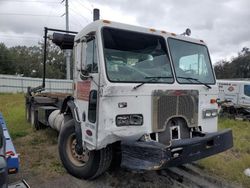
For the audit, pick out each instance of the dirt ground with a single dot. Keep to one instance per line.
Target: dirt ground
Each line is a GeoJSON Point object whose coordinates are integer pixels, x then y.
{"type": "Point", "coordinates": [40, 166]}
{"type": "Point", "coordinates": [117, 179]}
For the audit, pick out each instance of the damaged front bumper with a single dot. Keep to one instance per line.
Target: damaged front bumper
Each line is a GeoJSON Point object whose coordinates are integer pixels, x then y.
{"type": "Point", "coordinates": [153, 155]}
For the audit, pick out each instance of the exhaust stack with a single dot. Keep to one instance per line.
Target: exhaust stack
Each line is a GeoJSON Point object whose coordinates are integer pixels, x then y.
{"type": "Point", "coordinates": [96, 14]}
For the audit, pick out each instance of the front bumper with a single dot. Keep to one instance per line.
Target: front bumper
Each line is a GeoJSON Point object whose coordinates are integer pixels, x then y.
{"type": "Point", "coordinates": [153, 155]}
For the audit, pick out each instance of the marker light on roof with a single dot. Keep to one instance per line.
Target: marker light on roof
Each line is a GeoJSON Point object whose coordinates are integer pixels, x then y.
{"type": "Point", "coordinates": [106, 21]}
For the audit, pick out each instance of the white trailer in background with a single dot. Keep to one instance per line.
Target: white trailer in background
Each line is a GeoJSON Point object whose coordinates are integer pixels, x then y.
{"type": "Point", "coordinates": [235, 96]}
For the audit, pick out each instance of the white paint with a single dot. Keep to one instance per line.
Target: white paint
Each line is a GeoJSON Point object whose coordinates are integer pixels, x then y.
{"type": "Point", "coordinates": [139, 101]}
{"type": "Point", "coordinates": [234, 91]}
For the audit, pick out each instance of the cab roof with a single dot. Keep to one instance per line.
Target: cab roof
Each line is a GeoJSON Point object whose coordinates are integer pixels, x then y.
{"type": "Point", "coordinates": [97, 25]}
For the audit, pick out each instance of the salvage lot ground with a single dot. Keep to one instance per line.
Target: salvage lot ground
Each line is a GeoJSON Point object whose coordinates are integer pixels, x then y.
{"type": "Point", "coordinates": [41, 167]}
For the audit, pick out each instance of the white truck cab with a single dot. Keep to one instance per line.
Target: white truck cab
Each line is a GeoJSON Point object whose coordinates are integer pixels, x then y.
{"type": "Point", "coordinates": [139, 79]}
{"type": "Point", "coordinates": [144, 95]}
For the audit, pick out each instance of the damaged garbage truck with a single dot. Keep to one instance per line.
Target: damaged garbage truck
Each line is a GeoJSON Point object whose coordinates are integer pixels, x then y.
{"type": "Point", "coordinates": [144, 95]}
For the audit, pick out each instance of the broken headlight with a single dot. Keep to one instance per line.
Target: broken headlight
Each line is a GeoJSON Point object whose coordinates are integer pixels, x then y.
{"type": "Point", "coordinates": [129, 119]}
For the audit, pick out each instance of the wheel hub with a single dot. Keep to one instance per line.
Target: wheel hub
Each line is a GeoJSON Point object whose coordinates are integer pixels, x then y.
{"type": "Point", "coordinates": [78, 158]}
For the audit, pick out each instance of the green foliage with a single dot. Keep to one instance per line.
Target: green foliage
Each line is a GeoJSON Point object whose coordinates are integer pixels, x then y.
{"type": "Point", "coordinates": [28, 61]}
{"type": "Point", "coordinates": [6, 61]}
{"type": "Point", "coordinates": [238, 67]}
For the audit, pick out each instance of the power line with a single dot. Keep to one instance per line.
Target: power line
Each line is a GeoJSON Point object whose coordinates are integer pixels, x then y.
{"type": "Point", "coordinates": [92, 6]}
{"type": "Point", "coordinates": [54, 2]}
{"type": "Point", "coordinates": [21, 14]}
{"type": "Point", "coordinates": [19, 36]}
{"type": "Point", "coordinates": [86, 19]}
{"type": "Point", "coordinates": [77, 21]}
{"type": "Point", "coordinates": [84, 6]}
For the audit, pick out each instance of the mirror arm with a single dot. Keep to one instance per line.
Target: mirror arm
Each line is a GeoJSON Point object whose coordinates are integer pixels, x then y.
{"type": "Point", "coordinates": [85, 76]}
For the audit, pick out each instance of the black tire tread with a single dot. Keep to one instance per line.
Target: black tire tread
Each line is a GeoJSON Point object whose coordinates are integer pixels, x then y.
{"type": "Point", "coordinates": [105, 161]}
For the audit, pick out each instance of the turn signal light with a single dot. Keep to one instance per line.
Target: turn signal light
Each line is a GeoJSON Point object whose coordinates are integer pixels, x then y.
{"type": "Point", "coordinates": [12, 170]}
{"type": "Point", "coordinates": [213, 101]}
{"type": "Point", "coordinates": [106, 21]}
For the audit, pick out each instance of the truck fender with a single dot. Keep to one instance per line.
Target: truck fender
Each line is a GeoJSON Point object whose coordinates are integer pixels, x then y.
{"type": "Point", "coordinates": [70, 106]}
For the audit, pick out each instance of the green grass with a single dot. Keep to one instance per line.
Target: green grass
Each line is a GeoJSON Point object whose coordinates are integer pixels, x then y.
{"type": "Point", "coordinates": [12, 108]}
{"type": "Point", "coordinates": [231, 164]}
{"type": "Point", "coordinates": [38, 149]}
{"type": "Point", "coordinates": [39, 154]}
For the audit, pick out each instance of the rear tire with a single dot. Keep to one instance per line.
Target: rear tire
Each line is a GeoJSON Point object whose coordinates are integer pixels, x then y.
{"type": "Point", "coordinates": [90, 164]}
{"type": "Point", "coordinates": [27, 112]}
{"type": "Point", "coordinates": [34, 118]}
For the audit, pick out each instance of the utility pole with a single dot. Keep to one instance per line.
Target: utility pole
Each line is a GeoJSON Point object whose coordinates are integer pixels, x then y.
{"type": "Point", "coordinates": [67, 52]}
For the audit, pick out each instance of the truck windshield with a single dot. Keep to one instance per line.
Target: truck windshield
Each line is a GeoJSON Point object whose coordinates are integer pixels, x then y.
{"type": "Point", "coordinates": [135, 57]}
{"type": "Point", "coordinates": [191, 61]}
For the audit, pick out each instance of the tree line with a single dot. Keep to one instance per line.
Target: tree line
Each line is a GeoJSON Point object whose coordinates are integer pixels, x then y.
{"type": "Point", "coordinates": [237, 67]}
{"type": "Point", "coordinates": [28, 61]}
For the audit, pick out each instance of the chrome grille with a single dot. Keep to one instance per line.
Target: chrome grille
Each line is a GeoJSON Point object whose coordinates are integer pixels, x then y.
{"type": "Point", "coordinates": [167, 104]}
{"type": "Point", "coordinates": [164, 104]}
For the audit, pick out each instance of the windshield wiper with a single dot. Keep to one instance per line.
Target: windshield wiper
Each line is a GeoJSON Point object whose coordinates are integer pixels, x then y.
{"type": "Point", "coordinates": [151, 78]}
{"type": "Point", "coordinates": [195, 79]}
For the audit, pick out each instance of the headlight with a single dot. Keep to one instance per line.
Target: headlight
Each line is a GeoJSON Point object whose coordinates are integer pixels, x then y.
{"type": "Point", "coordinates": [129, 119]}
{"type": "Point", "coordinates": [209, 113]}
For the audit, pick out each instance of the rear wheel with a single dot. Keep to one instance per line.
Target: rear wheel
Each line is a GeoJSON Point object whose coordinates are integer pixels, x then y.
{"type": "Point", "coordinates": [89, 164]}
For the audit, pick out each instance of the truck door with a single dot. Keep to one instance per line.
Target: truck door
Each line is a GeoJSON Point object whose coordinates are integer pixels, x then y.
{"type": "Point", "coordinates": [86, 92]}
{"type": "Point", "coordinates": [246, 97]}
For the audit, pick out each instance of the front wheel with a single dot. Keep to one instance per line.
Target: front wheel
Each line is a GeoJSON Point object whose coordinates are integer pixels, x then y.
{"type": "Point", "coordinates": [88, 165]}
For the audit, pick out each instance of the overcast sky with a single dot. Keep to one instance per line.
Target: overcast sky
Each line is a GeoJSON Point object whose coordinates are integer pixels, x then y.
{"type": "Point", "coordinates": [223, 24]}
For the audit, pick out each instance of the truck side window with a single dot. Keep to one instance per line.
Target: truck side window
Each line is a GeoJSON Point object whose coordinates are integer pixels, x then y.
{"type": "Point", "coordinates": [247, 90]}
{"type": "Point", "coordinates": [91, 59]}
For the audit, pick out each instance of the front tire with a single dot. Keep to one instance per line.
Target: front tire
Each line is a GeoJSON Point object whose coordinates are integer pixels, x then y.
{"type": "Point", "coordinates": [90, 164]}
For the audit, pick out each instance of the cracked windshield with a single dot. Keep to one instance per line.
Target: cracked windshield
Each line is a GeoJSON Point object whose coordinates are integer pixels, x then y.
{"type": "Point", "coordinates": [136, 57]}
{"type": "Point", "coordinates": [191, 62]}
